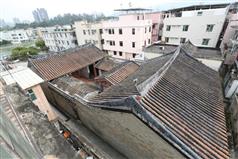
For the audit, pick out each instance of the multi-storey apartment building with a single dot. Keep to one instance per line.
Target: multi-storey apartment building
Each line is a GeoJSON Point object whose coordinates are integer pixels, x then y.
{"type": "Point", "coordinates": [59, 38]}
{"type": "Point", "coordinates": [89, 33]}
{"type": "Point", "coordinates": [202, 25]}
{"type": "Point", "coordinates": [18, 36]}
{"type": "Point", "coordinates": [125, 38]}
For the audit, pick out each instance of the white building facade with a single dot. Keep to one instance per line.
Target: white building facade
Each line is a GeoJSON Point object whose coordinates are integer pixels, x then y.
{"type": "Point", "coordinates": [202, 27]}
{"type": "Point", "coordinates": [89, 33]}
{"type": "Point", "coordinates": [15, 36]}
{"type": "Point", "coordinates": [59, 38]}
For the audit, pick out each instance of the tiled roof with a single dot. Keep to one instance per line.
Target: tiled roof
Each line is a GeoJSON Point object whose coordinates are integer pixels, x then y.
{"type": "Point", "coordinates": [52, 66]}
{"type": "Point", "coordinates": [186, 99]}
{"type": "Point", "coordinates": [106, 64]}
{"type": "Point", "coordinates": [121, 72]}
{"type": "Point", "coordinates": [127, 86]}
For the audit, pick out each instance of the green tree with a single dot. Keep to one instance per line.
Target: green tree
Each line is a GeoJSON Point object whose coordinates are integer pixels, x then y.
{"type": "Point", "coordinates": [4, 42]}
{"type": "Point", "coordinates": [41, 44]}
{"type": "Point", "coordinates": [22, 53]}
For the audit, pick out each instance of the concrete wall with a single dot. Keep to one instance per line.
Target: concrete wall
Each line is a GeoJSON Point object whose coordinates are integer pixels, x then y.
{"type": "Point", "coordinates": [197, 27]}
{"type": "Point", "coordinates": [63, 104]}
{"type": "Point", "coordinates": [234, 119]}
{"type": "Point", "coordinates": [124, 132]}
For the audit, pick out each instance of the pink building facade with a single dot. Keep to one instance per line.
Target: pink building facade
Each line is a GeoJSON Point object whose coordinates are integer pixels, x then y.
{"type": "Point", "coordinates": [157, 25]}
{"type": "Point", "coordinates": [126, 37]}
{"type": "Point", "coordinates": [230, 30]}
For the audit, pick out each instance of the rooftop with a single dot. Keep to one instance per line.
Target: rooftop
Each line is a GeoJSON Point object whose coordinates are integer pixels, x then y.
{"type": "Point", "coordinates": [54, 65]}
{"type": "Point", "coordinates": [199, 7]}
{"type": "Point", "coordinates": [197, 52]}
{"type": "Point", "coordinates": [120, 72]}
{"type": "Point", "coordinates": [106, 64]}
{"type": "Point", "coordinates": [133, 9]}
{"type": "Point", "coordinates": [175, 95]}
{"type": "Point", "coordinates": [73, 86]}
{"type": "Point", "coordinates": [24, 77]}
{"type": "Point", "coordinates": [180, 98]}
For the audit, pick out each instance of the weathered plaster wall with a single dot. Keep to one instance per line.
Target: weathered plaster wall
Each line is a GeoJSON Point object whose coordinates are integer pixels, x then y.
{"type": "Point", "coordinates": [124, 132]}
{"type": "Point", "coordinates": [42, 102]}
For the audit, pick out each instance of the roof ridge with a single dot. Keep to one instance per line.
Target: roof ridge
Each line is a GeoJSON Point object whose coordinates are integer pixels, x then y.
{"type": "Point", "coordinates": [145, 86]}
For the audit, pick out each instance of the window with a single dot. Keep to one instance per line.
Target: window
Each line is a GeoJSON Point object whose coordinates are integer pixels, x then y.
{"type": "Point", "coordinates": [133, 31]}
{"type": "Point", "coordinates": [149, 29]}
{"type": "Point", "coordinates": [112, 43]}
{"type": "Point", "coordinates": [145, 43]}
{"type": "Point", "coordinates": [133, 44]}
{"type": "Point", "coordinates": [199, 13]}
{"type": "Point", "coordinates": [114, 52]}
{"type": "Point", "coordinates": [88, 32]}
{"type": "Point", "coordinates": [102, 41]}
{"type": "Point", "coordinates": [84, 32]}
{"type": "Point", "coordinates": [120, 53]}
{"type": "Point", "coordinates": [166, 39]}
{"type": "Point", "coordinates": [120, 31]}
{"type": "Point", "coordinates": [85, 41]}
{"type": "Point", "coordinates": [145, 29]}
{"type": "Point", "coordinates": [138, 17]}
{"type": "Point", "coordinates": [93, 31]}
{"type": "Point", "coordinates": [121, 43]}
{"type": "Point", "coordinates": [185, 27]}
{"type": "Point", "coordinates": [148, 41]}
{"type": "Point", "coordinates": [168, 27]}
{"type": "Point", "coordinates": [133, 55]}
{"type": "Point", "coordinates": [68, 42]}
{"type": "Point", "coordinates": [182, 40]}
{"type": "Point", "coordinates": [112, 31]}
{"type": "Point", "coordinates": [210, 28]}
{"type": "Point", "coordinates": [31, 94]}
{"type": "Point", "coordinates": [100, 30]}
{"type": "Point", "coordinates": [65, 35]}
{"type": "Point", "coordinates": [205, 41]}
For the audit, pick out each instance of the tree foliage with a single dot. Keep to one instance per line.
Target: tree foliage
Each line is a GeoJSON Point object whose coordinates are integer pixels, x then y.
{"type": "Point", "coordinates": [4, 42]}
{"type": "Point", "coordinates": [63, 20]}
{"type": "Point", "coordinates": [22, 53]}
{"type": "Point", "coordinates": [41, 44]}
